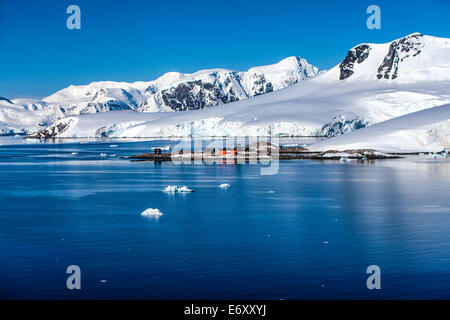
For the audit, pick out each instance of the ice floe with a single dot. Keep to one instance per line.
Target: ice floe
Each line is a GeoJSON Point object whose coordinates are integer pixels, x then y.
{"type": "Point", "coordinates": [172, 189]}
{"type": "Point", "coordinates": [224, 186]}
{"type": "Point", "coordinates": [151, 213]}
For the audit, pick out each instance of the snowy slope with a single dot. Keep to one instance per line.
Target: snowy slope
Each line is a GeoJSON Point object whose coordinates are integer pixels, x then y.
{"type": "Point", "coordinates": [415, 75]}
{"type": "Point", "coordinates": [426, 130]}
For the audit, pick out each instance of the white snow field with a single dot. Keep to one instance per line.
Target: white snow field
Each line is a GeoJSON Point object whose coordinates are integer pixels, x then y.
{"type": "Point", "coordinates": [422, 131]}
{"type": "Point", "coordinates": [374, 83]}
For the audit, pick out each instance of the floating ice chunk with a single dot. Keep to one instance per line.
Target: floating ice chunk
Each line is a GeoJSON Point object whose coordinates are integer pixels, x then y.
{"type": "Point", "coordinates": [343, 159]}
{"type": "Point", "coordinates": [113, 146]}
{"type": "Point", "coordinates": [445, 154]}
{"type": "Point", "coordinates": [170, 189]}
{"type": "Point", "coordinates": [224, 186]}
{"type": "Point", "coordinates": [103, 155]}
{"type": "Point", "coordinates": [271, 191]}
{"type": "Point", "coordinates": [177, 189]}
{"type": "Point", "coordinates": [151, 213]}
{"type": "Point", "coordinates": [74, 153]}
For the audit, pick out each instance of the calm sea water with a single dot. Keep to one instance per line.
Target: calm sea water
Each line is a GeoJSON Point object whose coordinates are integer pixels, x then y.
{"type": "Point", "coordinates": [311, 238]}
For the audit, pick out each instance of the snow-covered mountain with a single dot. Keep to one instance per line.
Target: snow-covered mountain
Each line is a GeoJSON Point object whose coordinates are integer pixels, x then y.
{"type": "Point", "coordinates": [374, 83]}
{"type": "Point", "coordinates": [409, 59]}
{"type": "Point", "coordinates": [171, 92]}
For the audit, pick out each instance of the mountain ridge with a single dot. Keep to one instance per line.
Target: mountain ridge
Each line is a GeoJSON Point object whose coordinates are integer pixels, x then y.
{"type": "Point", "coordinates": [173, 91]}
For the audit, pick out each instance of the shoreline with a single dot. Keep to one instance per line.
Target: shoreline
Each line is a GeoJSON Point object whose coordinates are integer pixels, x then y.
{"type": "Point", "coordinates": [290, 153]}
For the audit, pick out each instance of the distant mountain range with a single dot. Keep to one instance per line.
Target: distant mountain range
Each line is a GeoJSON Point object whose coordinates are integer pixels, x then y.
{"type": "Point", "coordinates": [171, 92]}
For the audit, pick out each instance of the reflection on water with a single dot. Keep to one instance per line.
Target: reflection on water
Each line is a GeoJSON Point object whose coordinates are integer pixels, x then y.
{"type": "Point", "coordinates": [312, 236]}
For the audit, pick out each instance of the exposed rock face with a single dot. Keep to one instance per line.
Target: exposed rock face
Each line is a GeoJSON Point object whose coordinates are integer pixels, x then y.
{"type": "Point", "coordinates": [194, 95]}
{"type": "Point", "coordinates": [400, 50]}
{"type": "Point", "coordinates": [199, 94]}
{"type": "Point", "coordinates": [261, 85]}
{"type": "Point", "coordinates": [357, 54]}
{"type": "Point", "coordinates": [339, 125]}
{"type": "Point", "coordinates": [52, 131]}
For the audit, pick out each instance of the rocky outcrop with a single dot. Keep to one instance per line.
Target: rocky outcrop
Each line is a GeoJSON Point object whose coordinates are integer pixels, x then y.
{"type": "Point", "coordinates": [355, 55]}
{"type": "Point", "coordinates": [52, 131]}
{"type": "Point", "coordinates": [195, 95]}
{"type": "Point", "coordinates": [339, 125]}
{"type": "Point", "coordinates": [400, 50]}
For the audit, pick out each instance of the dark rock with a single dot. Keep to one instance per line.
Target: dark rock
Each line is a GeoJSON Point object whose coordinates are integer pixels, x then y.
{"type": "Point", "coordinates": [358, 55]}
{"type": "Point", "coordinates": [398, 52]}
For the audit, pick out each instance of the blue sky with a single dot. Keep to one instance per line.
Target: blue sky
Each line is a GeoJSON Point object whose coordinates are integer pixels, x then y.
{"type": "Point", "coordinates": [140, 40]}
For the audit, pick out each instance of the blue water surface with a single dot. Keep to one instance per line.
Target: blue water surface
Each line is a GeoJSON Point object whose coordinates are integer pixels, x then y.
{"type": "Point", "coordinates": [307, 232]}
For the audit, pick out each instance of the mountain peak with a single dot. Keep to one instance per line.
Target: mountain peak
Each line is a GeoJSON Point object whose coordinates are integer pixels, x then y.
{"type": "Point", "coordinates": [407, 59]}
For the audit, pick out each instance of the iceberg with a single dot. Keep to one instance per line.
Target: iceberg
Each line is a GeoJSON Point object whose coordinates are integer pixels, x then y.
{"type": "Point", "coordinates": [151, 213]}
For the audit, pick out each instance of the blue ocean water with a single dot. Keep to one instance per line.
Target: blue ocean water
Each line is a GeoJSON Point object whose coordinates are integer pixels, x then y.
{"type": "Point", "coordinates": [311, 237]}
